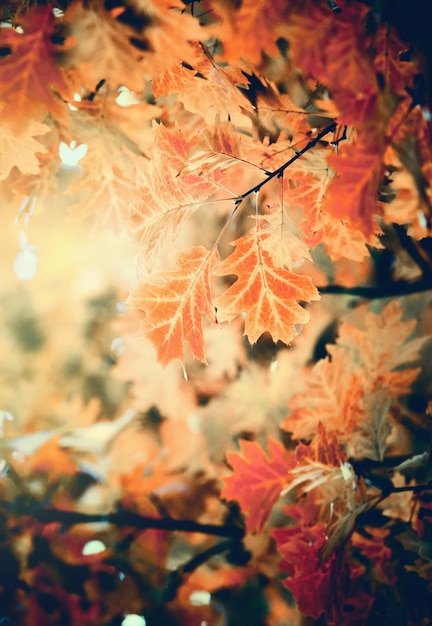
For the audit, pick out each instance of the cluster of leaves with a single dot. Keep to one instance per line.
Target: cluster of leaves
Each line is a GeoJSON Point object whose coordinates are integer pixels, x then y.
{"type": "Point", "coordinates": [298, 134]}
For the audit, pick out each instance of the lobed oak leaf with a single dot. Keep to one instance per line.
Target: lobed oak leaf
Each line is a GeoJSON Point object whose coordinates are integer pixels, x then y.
{"type": "Point", "coordinates": [20, 149]}
{"type": "Point", "coordinates": [205, 87]}
{"type": "Point", "coordinates": [388, 60]}
{"type": "Point", "coordinates": [285, 244]}
{"type": "Point", "coordinates": [257, 481]}
{"type": "Point", "coordinates": [109, 202]}
{"type": "Point", "coordinates": [321, 464]}
{"type": "Point", "coordinates": [248, 23]}
{"type": "Point", "coordinates": [30, 81]}
{"type": "Point", "coordinates": [343, 240]}
{"type": "Point", "coordinates": [376, 351]}
{"type": "Point", "coordinates": [266, 294]}
{"type": "Point", "coordinates": [333, 395]}
{"type": "Point", "coordinates": [332, 49]}
{"type": "Point", "coordinates": [158, 35]}
{"type": "Point", "coordinates": [184, 174]}
{"type": "Point", "coordinates": [353, 193]}
{"type": "Point", "coordinates": [103, 47]}
{"type": "Point", "coordinates": [174, 307]}
{"type": "Point", "coordinates": [310, 580]}
{"type": "Point", "coordinates": [275, 115]}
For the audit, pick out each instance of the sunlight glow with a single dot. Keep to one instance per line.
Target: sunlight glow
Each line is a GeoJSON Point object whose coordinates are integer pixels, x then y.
{"type": "Point", "coordinates": [193, 422]}
{"type": "Point", "coordinates": [133, 620]}
{"type": "Point", "coordinates": [71, 154]}
{"type": "Point", "coordinates": [93, 547]}
{"type": "Point", "coordinates": [26, 260]}
{"type": "Point", "coordinates": [126, 98]}
{"type": "Point", "coordinates": [4, 415]}
{"type": "Point", "coordinates": [200, 598]}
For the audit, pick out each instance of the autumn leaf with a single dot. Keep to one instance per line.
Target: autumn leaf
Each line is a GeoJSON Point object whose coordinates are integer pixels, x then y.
{"type": "Point", "coordinates": [353, 193]}
{"type": "Point", "coordinates": [257, 481]}
{"type": "Point", "coordinates": [21, 149]}
{"type": "Point", "coordinates": [174, 307]}
{"type": "Point", "coordinates": [285, 245]}
{"type": "Point", "coordinates": [170, 193]}
{"type": "Point", "coordinates": [332, 48]}
{"type": "Point", "coordinates": [51, 459]}
{"type": "Point", "coordinates": [125, 53]}
{"type": "Point", "coordinates": [333, 395]}
{"type": "Point", "coordinates": [205, 87]}
{"type": "Point", "coordinates": [268, 295]}
{"type": "Point", "coordinates": [389, 60]}
{"type": "Point", "coordinates": [371, 339]}
{"type": "Point", "coordinates": [251, 22]}
{"type": "Point", "coordinates": [310, 580]}
{"type": "Point", "coordinates": [30, 80]}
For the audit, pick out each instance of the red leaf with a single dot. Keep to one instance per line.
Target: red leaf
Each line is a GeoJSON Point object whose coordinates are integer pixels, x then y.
{"type": "Point", "coordinates": [28, 72]}
{"type": "Point", "coordinates": [257, 480]}
{"type": "Point", "coordinates": [310, 581]}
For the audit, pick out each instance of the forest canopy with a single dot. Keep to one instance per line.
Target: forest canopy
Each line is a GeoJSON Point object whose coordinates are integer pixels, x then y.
{"type": "Point", "coordinates": [215, 396]}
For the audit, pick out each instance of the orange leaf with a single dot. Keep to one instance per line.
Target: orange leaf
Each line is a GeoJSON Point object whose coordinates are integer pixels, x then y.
{"type": "Point", "coordinates": [257, 481]}
{"type": "Point", "coordinates": [333, 394]}
{"type": "Point", "coordinates": [52, 459]}
{"type": "Point", "coordinates": [267, 294]}
{"type": "Point", "coordinates": [353, 193]}
{"type": "Point", "coordinates": [28, 72]}
{"type": "Point", "coordinates": [253, 26]}
{"type": "Point", "coordinates": [20, 149]}
{"type": "Point", "coordinates": [175, 306]}
{"type": "Point", "coordinates": [333, 51]}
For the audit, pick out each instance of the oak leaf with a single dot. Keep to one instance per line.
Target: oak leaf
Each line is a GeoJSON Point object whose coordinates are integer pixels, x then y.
{"type": "Point", "coordinates": [21, 149]}
{"type": "Point", "coordinates": [310, 580]}
{"type": "Point", "coordinates": [333, 395]}
{"type": "Point", "coordinates": [353, 193]}
{"type": "Point", "coordinates": [30, 81]}
{"type": "Point", "coordinates": [248, 23]}
{"type": "Point", "coordinates": [170, 193]}
{"type": "Point", "coordinates": [257, 481]}
{"type": "Point", "coordinates": [174, 307]}
{"type": "Point", "coordinates": [371, 339]}
{"type": "Point", "coordinates": [268, 295]}
{"type": "Point", "coordinates": [205, 87]}
{"type": "Point", "coordinates": [388, 60]}
{"type": "Point", "coordinates": [333, 49]}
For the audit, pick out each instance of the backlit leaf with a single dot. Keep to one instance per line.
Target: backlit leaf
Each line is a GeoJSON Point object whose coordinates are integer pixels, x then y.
{"type": "Point", "coordinates": [268, 295]}
{"type": "Point", "coordinates": [257, 481]}
{"type": "Point", "coordinates": [174, 307]}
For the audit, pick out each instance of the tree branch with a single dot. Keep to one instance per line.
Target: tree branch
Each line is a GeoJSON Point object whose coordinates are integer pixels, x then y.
{"type": "Point", "coordinates": [176, 578]}
{"type": "Point", "coordinates": [397, 288]}
{"type": "Point", "coordinates": [127, 518]}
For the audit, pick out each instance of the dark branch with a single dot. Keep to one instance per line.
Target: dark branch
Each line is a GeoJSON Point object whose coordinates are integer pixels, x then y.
{"type": "Point", "coordinates": [127, 518]}
{"type": "Point", "coordinates": [397, 288]}
{"type": "Point", "coordinates": [412, 250]}
{"type": "Point", "coordinates": [176, 578]}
